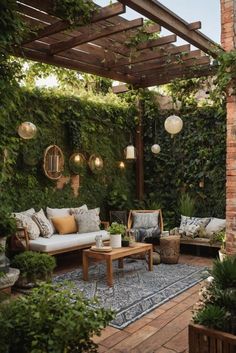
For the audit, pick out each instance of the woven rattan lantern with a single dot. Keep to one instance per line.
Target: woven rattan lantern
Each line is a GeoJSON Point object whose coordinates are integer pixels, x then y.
{"type": "Point", "coordinates": [77, 163]}
{"type": "Point", "coordinates": [95, 163]}
{"type": "Point", "coordinates": [53, 163]}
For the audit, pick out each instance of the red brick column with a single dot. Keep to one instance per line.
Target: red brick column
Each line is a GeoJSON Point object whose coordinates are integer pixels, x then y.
{"type": "Point", "coordinates": [228, 41]}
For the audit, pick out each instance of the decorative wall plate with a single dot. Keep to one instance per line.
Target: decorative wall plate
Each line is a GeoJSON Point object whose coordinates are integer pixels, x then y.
{"type": "Point", "coordinates": [53, 162]}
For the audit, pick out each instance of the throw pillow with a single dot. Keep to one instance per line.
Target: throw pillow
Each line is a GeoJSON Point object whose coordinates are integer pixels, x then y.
{"type": "Point", "coordinates": [76, 209]}
{"type": "Point", "coordinates": [190, 226]}
{"type": "Point", "coordinates": [88, 221]}
{"type": "Point", "coordinates": [215, 226]}
{"type": "Point", "coordinates": [65, 225]}
{"type": "Point", "coordinates": [57, 212]}
{"type": "Point", "coordinates": [43, 223]}
{"type": "Point", "coordinates": [145, 220]}
{"type": "Point", "coordinates": [25, 220]}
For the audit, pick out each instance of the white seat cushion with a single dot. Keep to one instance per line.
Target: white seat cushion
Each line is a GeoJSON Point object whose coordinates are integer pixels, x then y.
{"type": "Point", "coordinates": [59, 242]}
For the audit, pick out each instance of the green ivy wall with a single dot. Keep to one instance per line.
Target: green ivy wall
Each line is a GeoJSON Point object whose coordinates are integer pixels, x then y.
{"type": "Point", "coordinates": [71, 123]}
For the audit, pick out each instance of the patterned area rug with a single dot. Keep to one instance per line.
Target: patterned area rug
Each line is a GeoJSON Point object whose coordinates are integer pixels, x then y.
{"type": "Point", "coordinates": [136, 291]}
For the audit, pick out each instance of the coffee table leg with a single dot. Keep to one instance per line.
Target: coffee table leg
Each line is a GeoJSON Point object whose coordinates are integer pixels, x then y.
{"type": "Point", "coordinates": [120, 263]}
{"type": "Point", "coordinates": [85, 267]}
{"type": "Point", "coordinates": [109, 273]}
{"type": "Point", "coordinates": [150, 260]}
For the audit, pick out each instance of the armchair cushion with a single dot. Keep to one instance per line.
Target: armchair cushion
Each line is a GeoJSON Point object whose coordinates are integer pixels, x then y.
{"type": "Point", "coordinates": [145, 220]}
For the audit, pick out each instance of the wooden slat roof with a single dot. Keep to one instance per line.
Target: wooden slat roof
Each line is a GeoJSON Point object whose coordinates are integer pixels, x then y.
{"type": "Point", "coordinates": [101, 47]}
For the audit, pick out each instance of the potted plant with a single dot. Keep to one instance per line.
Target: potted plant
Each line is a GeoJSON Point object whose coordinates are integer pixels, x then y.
{"type": "Point", "coordinates": [125, 240]}
{"type": "Point", "coordinates": [219, 238]}
{"type": "Point", "coordinates": [7, 228]}
{"type": "Point", "coordinates": [34, 267]}
{"type": "Point", "coordinates": [215, 316]}
{"type": "Point", "coordinates": [116, 230]}
{"type": "Point", "coordinates": [51, 319]}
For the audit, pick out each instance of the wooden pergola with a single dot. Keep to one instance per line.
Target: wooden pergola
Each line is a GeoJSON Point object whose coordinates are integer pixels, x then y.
{"type": "Point", "coordinates": [101, 47]}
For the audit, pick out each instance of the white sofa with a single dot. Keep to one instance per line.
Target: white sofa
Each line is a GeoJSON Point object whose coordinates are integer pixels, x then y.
{"type": "Point", "coordinates": [57, 243]}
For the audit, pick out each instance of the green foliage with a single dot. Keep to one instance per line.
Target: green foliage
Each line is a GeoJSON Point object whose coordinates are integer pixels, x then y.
{"type": "Point", "coordinates": [186, 205]}
{"type": "Point", "coordinates": [7, 223]}
{"type": "Point", "coordinates": [224, 273]}
{"type": "Point", "coordinates": [51, 320]}
{"type": "Point", "coordinates": [77, 12]}
{"type": "Point", "coordinates": [34, 265]}
{"type": "Point", "coordinates": [212, 316]}
{"type": "Point", "coordinates": [196, 153]}
{"type": "Point", "coordinates": [226, 71]}
{"type": "Point", "coordinates": [142, 35]}
{"type": "Point", "coordinates": [117, 228]}
{"type": "Point", "coordinates": [218, 302]}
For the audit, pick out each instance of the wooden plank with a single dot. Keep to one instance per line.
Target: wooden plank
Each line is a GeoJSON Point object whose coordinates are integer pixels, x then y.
{"type": "Point", "coordinates": [81, 39]}
{"type": "Point", "coordinates": [103, 13]}
{"type": "Point", "coordinates": [74, 65]}
{"type": "Point", "coordinates": [157, 42]}
{"type": "Point", "coordinates": [157, 12]}
{"type": "Point", "coordinates": [195, 25]}
{"type": "Point", "coordinates": [120, 89]}
{"type": "Point", "coordinates": [156, 64]}
{"type": "Point", "coordinates": [146, 55]}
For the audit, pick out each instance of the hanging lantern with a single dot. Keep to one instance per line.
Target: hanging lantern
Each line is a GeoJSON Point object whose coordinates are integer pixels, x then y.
{"type": "Point", "coordinates": [130, 153]}
{"type": "Point", "coordinates": [53, 162]}
{"type": "Point", "coordinates": [155, 148]}
{"type": "Point", "coordinates": [121, 165]}
{"type": "Point", "coordinates": [77, 163]}
{"type": "Point", "coordinates": [173, 124]}
{"type": "Point", "coordinates": [27, 130]}
{"type": "Point", "coordinates": [95, 163]}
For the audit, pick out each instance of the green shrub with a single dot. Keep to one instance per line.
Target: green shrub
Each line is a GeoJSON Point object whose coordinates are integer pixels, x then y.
{"type": "Point", "coordinates": [51, 320]}
{"type": "Point", "coordinates": [34, 265]}
{"type": "Point", "coordinates": [212, 316]}
{"type": "Point", "coordinates": [186, 205]}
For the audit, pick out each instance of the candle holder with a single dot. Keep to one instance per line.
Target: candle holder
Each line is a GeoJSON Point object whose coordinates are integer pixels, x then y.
{"type": "Point", "coordinates": [53, 162]}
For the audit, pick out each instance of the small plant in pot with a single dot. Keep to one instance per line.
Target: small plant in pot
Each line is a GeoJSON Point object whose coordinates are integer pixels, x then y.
{"type": "Point", "coordinates": [220, 238]}
{"type": "Point", "coordinates": [125, 240]}
{"type": "Point", "coordinates": [116, 230]}
{"type": "Point", "coordinates": [7, 228]}
{"type": "Point", "coordinates": [34, 267]}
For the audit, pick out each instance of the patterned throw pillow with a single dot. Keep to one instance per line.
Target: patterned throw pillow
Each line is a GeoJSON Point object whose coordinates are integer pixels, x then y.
{"type": "Point", "coordinates": [88, 221]}
{"type": "Point", "coordinates": [145, 220]}
{"type": "Point", "coordinates": [24, 220]}
{"type": "Point", "coordinates": [190, 226]}
{"type": "Point", "coordinates": [43, 223]}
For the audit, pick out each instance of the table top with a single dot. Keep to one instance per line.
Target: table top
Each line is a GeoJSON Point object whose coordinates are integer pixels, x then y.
{"type": "Point", "coordinates": [119, 252]}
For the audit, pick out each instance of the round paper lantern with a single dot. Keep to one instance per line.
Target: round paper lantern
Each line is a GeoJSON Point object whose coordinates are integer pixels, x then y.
{"type": "Point", "coordinates": [155, 148]}
{"type": "Point", "coordinates": [173, 124]}
{"type": "Point", "coordinates": [27, 130]}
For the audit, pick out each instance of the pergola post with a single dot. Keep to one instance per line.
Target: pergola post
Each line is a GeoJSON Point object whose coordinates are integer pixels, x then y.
{"type": "Point", "coordinates": [139, 148]}
{"type": "Point", "coordinates": [228, 39]}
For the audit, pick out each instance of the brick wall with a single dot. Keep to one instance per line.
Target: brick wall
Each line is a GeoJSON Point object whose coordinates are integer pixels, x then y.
{"type": "Point", "coordinates": [228, 41]}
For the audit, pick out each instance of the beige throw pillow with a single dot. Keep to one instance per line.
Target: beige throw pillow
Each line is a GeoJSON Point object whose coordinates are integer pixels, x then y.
{"type": "Point", "coordinates": [24, 220]}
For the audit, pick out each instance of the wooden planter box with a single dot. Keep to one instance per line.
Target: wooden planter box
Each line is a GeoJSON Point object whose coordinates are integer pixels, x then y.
{"type": "Point", "coordinates": [205, 340]}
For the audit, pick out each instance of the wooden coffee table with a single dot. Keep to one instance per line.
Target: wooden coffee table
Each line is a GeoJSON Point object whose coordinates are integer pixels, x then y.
{"type": "Point", "coordinates": [115, 254]}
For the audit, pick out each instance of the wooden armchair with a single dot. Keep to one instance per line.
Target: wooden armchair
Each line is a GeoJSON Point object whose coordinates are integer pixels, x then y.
{"type": "Point", "coordinates": [160, 219]}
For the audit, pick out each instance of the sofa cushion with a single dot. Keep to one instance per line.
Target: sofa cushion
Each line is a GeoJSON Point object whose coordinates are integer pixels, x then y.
{"type": "Point", "coordinates": [145, 220]}
{"type": "Point", "coordinates": [57, 242]}
{"type": "Point", "coordinates": [88, 221]}
{"type": "Point", "coordinates": [190, 226]}
{"type": "Point", "coordinates": [65, 225]}
{"type": "Point", "coordinates": [76, 209]}
{"type": "Point", "coordinates": [215, 226]}
{"type": "Point", "coordinates": [57, 212]}
{"type": "Point", "coordinates": [43, 223]}
{"type": "Point", "coordinates": [24, 220]}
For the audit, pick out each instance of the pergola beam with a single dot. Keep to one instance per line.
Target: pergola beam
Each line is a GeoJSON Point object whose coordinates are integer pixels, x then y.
{"type": "Point", "coordinates": [155, 11]}
{"type": "Point", "coordinates": [149, 44]}
{"type": "Point", "coordinates": [91, 36]}
{"type": "Point", "coordinates": [102, 14]}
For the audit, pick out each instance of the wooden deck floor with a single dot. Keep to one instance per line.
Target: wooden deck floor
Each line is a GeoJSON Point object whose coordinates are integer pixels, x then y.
{"type": "Point", "coordinates": [163, 330]}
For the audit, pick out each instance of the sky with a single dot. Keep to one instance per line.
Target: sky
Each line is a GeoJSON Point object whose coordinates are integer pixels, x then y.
{"type": "Point", "coordinates": [206, 11]}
